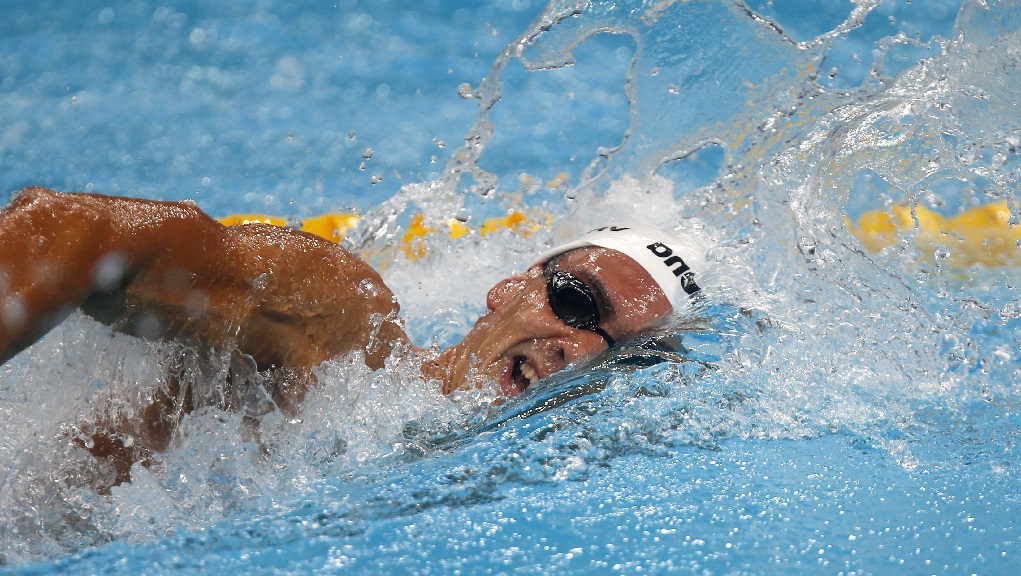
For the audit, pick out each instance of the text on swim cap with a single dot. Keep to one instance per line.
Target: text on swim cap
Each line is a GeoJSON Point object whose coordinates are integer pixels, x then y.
{"type": "Point", "coordinates": [682, 271]}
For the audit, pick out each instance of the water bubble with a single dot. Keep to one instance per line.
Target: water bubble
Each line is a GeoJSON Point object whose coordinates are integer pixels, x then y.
{"type": "Point", "coordinates": [289, 74]}
{"type": "Point", "coordinates": [368, 153]}
{"type": "Point", "coordinates": [465, 91]}
{"type": "Point", "coordinates": [1010, 311]}
{"type": "Point", "coordinates": [376, 179]}
{"type": "Point", "coordinates": [13, 312]}
{"type": "Point", "coordinates": [260, 282]}
{"type": "Point", "coordinates": [197, 37]}
{"type": "Point", "coordinates": [109, 271]}
{"type": "Point", "coordinates": [934, 200]}
{"type": "Point", "coordinates": [971, 154]}
{"type": "Point", "coordinates": [941, 252]}
{"type": "Point", "coordinates": [806, 246]}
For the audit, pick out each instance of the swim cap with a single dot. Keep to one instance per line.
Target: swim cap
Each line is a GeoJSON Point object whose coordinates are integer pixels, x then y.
{"type": "Point", "coordinates": [671, 261]}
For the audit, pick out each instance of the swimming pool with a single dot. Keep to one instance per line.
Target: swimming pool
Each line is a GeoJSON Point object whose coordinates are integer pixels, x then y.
{"type": "Point", "coordinates": [840, 411]}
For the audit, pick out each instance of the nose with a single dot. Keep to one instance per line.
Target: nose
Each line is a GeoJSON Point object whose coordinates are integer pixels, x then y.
{"type": "Point", "coordinates": [505, 290]}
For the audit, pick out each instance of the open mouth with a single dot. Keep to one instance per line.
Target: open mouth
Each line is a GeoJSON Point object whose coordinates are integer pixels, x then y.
{"type": "Point", "coordinates": [520, 377]}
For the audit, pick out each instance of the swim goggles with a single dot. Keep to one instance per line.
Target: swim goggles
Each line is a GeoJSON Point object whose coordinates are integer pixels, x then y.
{"type": "Point", "coordinates": [572, 301]}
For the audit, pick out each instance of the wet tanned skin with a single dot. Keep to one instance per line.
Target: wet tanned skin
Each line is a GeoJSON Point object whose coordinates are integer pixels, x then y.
{"type": "Point", "coordinates": [166, 270]}
{"type": "Point", "coordinates": [520, 333]}
{"type": "Point", "coordinates": [290, 300]}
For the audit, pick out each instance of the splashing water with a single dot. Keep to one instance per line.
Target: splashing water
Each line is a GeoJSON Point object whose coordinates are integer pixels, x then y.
{"type": "Point", "coordinates": [825, 408]}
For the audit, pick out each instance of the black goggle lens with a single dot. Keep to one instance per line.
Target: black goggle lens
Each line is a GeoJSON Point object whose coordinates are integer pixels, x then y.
{"type": "Point", "coordinates": [573, 302]}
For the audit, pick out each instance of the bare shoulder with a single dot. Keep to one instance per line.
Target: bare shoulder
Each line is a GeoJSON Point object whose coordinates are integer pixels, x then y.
{"type": "Point", "coordinates": [288, 298]}
{"type": "Point", "coordinates": [312, 299]}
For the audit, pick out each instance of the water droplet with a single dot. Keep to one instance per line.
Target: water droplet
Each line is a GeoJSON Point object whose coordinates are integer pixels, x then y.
{"type": "Point", "coordinates": [465, 91]}
{"type": "Point", "coordinates": [368, 153]}
{"type": "Point", "coordinates": [106, 16]}
{"type": "Point", "coordinates": [1014, 218]}
{"type": "Point", "coordinates": [260, 282]}
{"type": "Point", "coordinates": [941, 252]}
{"type": "Point", "coordinates": [1010, 311]}
{"type": "Point", "coordinates": [376, 179]}
{"type": "Point", "coordinates": [807, 246]}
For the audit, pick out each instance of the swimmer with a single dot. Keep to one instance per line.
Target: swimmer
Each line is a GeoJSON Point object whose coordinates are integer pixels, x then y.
{"type": "Point", "coordinates": [282, 301]}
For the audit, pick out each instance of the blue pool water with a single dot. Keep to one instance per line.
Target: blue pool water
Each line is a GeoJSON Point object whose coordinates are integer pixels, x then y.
{"type": "Point", "coordinates": [828, 410]}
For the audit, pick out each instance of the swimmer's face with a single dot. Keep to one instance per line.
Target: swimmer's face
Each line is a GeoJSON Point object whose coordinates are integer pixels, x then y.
{"type": "Point", "coordinates": [520, 340]}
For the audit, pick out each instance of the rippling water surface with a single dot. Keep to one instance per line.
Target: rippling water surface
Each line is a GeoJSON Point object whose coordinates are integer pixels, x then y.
{"type": "Point", "coordinates": [826, 409]}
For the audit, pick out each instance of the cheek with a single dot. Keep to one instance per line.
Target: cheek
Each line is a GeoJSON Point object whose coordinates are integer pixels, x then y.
{"type": "Point", "coordinates": [642, 313]}
{"type": "Point", "coordinates": [572, 351]}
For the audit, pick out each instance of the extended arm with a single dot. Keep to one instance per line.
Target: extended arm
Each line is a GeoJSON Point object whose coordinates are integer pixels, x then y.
{"type": "Point", "coordinates": [166, 270]}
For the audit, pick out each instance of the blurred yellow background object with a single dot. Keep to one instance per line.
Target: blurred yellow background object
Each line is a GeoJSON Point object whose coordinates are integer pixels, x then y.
{"type": "Point", "coordinates": [980, 235]}
{"type": "Point", "coordinates": [334, 226]}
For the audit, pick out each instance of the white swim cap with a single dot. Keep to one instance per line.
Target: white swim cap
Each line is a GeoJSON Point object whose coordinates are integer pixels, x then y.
{"type": "Point", "coordinates": [672, 261]}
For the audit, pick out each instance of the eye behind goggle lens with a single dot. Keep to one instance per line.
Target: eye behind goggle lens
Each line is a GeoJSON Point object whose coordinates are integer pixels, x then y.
{"type": "Point", "coordinates": [572, 301]}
